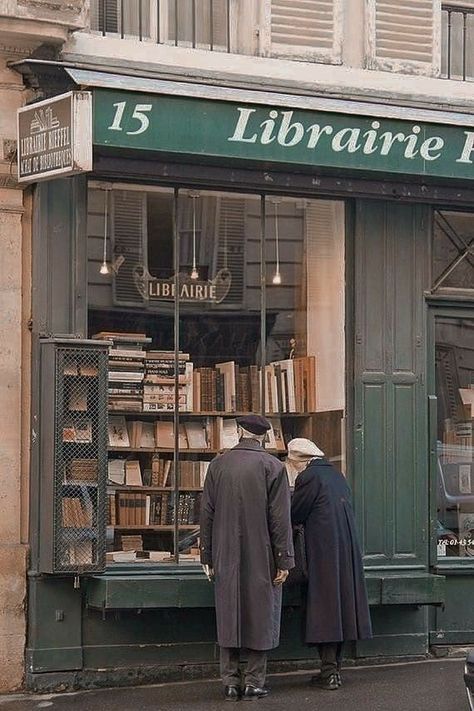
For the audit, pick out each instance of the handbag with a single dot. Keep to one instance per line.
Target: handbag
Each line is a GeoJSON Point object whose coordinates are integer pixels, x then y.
{"type": "Point", "coordinates": [299, 574]}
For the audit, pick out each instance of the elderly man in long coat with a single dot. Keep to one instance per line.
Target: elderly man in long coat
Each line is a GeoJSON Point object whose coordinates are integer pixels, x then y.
{"type": "Point", "coordinates": [336, 606]}
{"type": "Point", "coordinates": [246, 543]}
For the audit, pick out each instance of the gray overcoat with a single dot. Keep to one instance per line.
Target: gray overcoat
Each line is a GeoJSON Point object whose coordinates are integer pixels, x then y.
{"type": "Point", "coordinates": [245, 537]}
{"type": "Point", "coordinates": [337, 607]}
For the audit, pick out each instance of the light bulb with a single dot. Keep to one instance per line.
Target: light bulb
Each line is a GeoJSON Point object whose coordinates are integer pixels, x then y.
{"type": "Point", "coordinates": [194, 274]}
{"type": "Point", "coordinates": [276, 278]}
{"type": "Point", "coordinates": [104, 269]}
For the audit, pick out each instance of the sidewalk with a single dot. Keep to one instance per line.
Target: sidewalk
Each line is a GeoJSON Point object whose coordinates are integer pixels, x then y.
{"type": "Point", "coordinates": [420, 686]}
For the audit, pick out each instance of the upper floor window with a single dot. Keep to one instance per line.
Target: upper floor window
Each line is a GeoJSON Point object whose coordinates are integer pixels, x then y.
{"type": "Point", "coordinates": [202, 24]}
{"type": "Point", "coordinates": [307, 30]}
{"type": "Point", "coordinates": [457, 52]}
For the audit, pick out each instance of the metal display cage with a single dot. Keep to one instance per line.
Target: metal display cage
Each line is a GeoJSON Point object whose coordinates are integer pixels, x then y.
{"type": "Point", "coordinates": [73, 451]}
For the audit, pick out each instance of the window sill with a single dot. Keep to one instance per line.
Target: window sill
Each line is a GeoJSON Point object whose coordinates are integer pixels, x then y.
{"type": "Point", "coordinates": [185, 587]}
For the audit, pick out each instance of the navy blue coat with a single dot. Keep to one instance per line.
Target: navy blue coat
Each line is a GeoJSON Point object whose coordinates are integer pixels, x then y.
{"type": "Point", "coordinates": [337, 607]}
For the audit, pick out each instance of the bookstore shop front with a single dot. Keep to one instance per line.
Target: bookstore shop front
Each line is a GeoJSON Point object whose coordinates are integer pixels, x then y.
{"type": "Point", "coordinates": [247, 254]}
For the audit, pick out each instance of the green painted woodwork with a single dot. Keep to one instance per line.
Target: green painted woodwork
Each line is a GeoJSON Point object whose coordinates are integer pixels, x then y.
{"type": "Point", "coordinates": [389, 477]}
{"type": "Point", "coordinates": [225, 129]}
{"type": "Point", "coordinates": [154, 591]}
{"type": "Point", "coordinates": [55, 625]}
{"type": "Point", "coordinates": [454, 623]}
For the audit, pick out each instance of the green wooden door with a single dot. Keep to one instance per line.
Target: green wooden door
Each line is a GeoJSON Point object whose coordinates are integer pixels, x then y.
{"type": "Point", "coordinates": [390, 466]}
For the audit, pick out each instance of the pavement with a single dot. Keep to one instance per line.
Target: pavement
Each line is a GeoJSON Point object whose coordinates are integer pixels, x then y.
{"type": "Point", "coordinates": [435, 685]}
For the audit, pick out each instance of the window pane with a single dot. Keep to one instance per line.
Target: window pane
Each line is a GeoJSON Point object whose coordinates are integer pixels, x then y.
{"type": "Point", "coordinates": [455, 391]}
{"type": "Point", "coordinates": [220, 317]}
{"type": "Point", "coordinates": [136, 227]}
{"type": "Point", "coordinates": [305, 363]}
{"type": "Point", "coordinates": [453, 261]}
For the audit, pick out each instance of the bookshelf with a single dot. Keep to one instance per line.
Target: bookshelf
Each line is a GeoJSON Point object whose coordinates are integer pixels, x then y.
{"type": "Point", "coordinates": [73, 452]}
{"type": "Point", "coordinates": [146, 506]}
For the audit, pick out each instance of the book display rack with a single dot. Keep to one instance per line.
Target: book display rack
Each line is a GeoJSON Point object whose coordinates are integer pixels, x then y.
{"type": "Point", "coordinates": [73, 451]}
{"type": "Point", "coordinates": [145, 503]}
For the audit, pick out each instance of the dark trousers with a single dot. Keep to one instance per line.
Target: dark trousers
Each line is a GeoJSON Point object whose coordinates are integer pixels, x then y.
{"type": "Point", "coordinates": [331, 657]}
{"type": "Point", "coordinates": [255, 671]}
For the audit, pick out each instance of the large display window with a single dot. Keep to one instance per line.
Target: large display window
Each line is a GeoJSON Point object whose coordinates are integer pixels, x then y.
{"type": "Point", "coordinates": [214, 304]}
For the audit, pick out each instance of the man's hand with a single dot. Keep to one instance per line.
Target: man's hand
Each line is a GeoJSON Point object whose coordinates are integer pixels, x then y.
{"type": "Point", "coordinates": [281, 576]}
{"type": "Point", "coordinates": [209, 572]}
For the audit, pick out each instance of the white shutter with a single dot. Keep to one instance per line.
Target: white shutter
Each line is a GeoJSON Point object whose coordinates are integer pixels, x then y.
{"type": "Point", "coordinates": [111, 19]}
{"type": "Point", "coordinates": [129, 235]}
{"type": "Point", "coordinates": [304, 29]}
{"type": "Point", "coordinates": [404, 35]}
{"type": "Point", "coordinates": [230, 245]}
{"type": "Point", "coordinates": [131, 18]}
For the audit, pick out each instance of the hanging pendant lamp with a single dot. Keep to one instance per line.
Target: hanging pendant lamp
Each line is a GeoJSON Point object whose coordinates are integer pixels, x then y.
{"type": "Point", "coordinates": [194, 272]}
{"type": "Point", "coordinates": [104, 267]}
{"type": "Point", "coordinates": [277, 275]}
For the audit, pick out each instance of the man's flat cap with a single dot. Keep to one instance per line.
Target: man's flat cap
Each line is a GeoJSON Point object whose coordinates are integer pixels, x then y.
{"type": "Point", "coordinates": [256, 424]}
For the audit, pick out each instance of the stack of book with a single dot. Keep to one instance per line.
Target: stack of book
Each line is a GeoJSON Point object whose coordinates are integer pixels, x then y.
{"type": "Point", "coordinates": [126, 369]}
{"type": "Point", "coordinates": [75, 513]}
{"type": "Point", "coordinates": [159, 392]}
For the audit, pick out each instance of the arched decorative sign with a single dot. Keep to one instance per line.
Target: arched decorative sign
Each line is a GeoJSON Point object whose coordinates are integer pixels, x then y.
{"type": "Point", "coordinates": [190, 290]}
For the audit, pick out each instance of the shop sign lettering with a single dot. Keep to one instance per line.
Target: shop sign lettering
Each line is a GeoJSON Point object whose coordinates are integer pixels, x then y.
{"type": "Point", "coordinates": [55, 137]}
{"type": "Point", "coordinates": [190, 290]}
{"type": "Point", "coordinates": [206, 128]}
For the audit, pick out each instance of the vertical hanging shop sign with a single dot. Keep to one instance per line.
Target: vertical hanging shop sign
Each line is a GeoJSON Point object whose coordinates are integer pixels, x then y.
{"type": "Point", "coordinates": [55, 137]}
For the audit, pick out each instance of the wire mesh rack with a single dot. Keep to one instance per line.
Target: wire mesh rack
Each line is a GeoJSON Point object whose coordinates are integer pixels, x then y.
{"type": "Point", "coordinates": [79, 441]}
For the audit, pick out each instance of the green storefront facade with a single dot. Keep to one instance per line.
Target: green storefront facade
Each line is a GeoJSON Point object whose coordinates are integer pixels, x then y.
{"type": "Point", "coordinates": [399, 179]}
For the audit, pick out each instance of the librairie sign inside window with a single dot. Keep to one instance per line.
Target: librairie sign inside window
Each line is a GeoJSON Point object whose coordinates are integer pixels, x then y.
{"type": "Point", "coordinates": [55, 137]}
{"type": "Point", "coordinates": [190, 290]}
{"type": "Point", "coordinates": [282, 135]}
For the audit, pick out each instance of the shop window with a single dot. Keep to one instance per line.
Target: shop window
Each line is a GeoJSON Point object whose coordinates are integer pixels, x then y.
{"type": "Point", "coordinates": [457, 41]}
{"type": "Point", "coordinates": [454, 359]}
{"type": "Point", "coordinates": [453, 250]}
{"type": "Point", "coordinates": [260, 328]}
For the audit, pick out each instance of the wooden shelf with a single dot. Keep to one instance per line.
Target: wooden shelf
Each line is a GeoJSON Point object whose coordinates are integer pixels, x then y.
{"type": "Point", "coordinates": [216, 413]}
{"type": "Point", "coordinates": [163, 450]}
{"type": "Point", "coordinates": [123, 487]}
{"type": "Point", "coordinates": [153, 527]}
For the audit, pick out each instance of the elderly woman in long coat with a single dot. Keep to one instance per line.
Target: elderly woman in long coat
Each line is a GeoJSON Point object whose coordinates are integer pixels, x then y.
{"type": "Point", "coordinates": [246, 541]}
{"type": "Point", "coordinates": [336, 605]}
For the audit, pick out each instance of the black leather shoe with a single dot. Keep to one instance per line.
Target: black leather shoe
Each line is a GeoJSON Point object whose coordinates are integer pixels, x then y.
{"type": "Point", "coordinates": [331, 683]}
{"type": "Point", "coordinates": [254, 692]}
{"type": "Point", "coordinates": [231, 693]}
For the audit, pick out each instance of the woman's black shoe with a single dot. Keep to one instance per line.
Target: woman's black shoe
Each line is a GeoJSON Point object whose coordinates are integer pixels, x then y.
{"type": "Point", "coordinates": [254, 692]}
{"type": "Point", "coordinates": [331, 683]}
{"type": "Point", "coordinates": [231, 693]}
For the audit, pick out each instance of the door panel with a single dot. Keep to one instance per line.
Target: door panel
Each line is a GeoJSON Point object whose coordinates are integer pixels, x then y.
{"type": "Point", "coordinates": [390, 466]}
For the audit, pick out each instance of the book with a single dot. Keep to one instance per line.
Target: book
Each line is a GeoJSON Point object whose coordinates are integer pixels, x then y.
{"type": "Point", "coordinates": [228, 370]}
{"type": "Point", "coordinates": [196, 434]}
{"type": "Point", "coordinates": [133, 475]}
{"type": "Point", "coordinates": [147, 436]}
{"type": "Point", "coordinates": [83, 432]}
{"type": "Point", "coordinates": [116, 471]}
{"type": "Point", "coordinates": [81, 470]}
{"type": "Point", "coordinates": [118, 433]}
{"type": "Point", "coordinates": [77, 400]}
{"type": "Point", "coordinates": [227, 432]}
{"type": "Point", "coordinates": [164, 434]}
